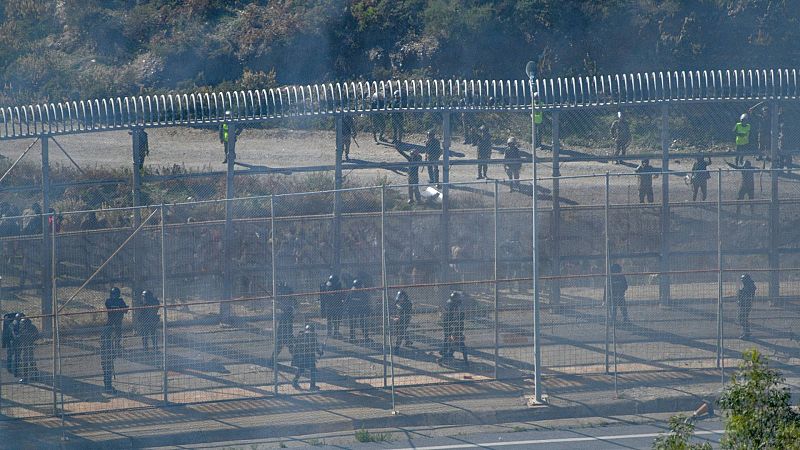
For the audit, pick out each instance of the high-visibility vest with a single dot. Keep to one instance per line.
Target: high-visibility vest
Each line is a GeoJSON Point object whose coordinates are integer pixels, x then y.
{"type": "Point", "coordinates": [742, 133]}
{"type": "Point", "coordinates": [225, 132]}
{"type": "Point", "coordinates": [537, 117]}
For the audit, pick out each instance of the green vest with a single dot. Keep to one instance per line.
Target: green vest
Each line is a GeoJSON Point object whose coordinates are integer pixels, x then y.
{"type": "Point", "coordinates": [537, 117]}
{"type": "Point", "coordinates": [742, 133]}
{"type": "Point", "coordinates": [225, 132]}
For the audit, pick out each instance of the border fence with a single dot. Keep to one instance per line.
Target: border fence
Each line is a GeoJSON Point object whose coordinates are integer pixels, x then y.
{"type": "Point", "coordinates": [232, 266]}
{"type": "Point", "coordinates": [201, 347]}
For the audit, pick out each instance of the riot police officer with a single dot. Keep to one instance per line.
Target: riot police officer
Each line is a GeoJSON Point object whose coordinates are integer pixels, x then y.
{"type": "Point", "coordinates": [401, 318]}
{"type": "Point", "coordinates": [8, 340]}
{"type": "Point", "coordinates": [24, 342]}
{"type": "Point", "coordinates": [117, 308]}
{"type": "Point", "coordinates": [618, 285]}
{"type": "Point", "coordinates": [285, 325]}
{"type": "Point", "coordinates": [108, 352]}
{"type": "Point", "coordinates": [331, 303]}
{"type": "Point", "coordinates": [148, 320]}
{"type": "Point", "coordinates": [397, 119]}
{"type": "Point", "coordinates": [433, 151]}
{"type": "Point", "coordinates": [744, 299]}
{"type": "Point", "coordinates": [452, 323]}
{"type": "Point", "coordinates": [304, 356]}
{"type": "Point", "coordinates": [357, 306]}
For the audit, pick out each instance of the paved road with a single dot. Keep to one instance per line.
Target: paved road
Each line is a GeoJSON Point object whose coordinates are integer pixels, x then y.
{"type": "Point", "coordinates": [620, 434]}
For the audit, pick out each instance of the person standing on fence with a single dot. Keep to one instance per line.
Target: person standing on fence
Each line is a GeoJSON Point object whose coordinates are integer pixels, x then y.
{"type": "Point", "coordinates": [744, 299]}
{"type": "Point", "coordinates": [621, 133]}
{"type": "Point", "coordinates": [646, 173]}
{"type": "Point", "coordinates": [700, 176]}
{"type": "Point", "coordinates": [618, 285]}
{"type": "Point", "coordinates": [413, 174]}
{"type": "Point", "coordinates": [397, 119]}
{"type": "Point", "coordinates": [25, 341]}
{"type": "Point", "coordinates": [108, 352]}
{"type": "Point", "coordinates": [304, 356]}
{"type": "Point", "coordinates": [742, 132]}
{"type": "Point", "coordinates": [116, 309]}
{"type": "Point", "coordinates": [401, 319]}
{"type": "Point", "coordinates": [331, 303]}
{"type": "Point", "coordinates": [357, 306]}
{"type": "Point", "coordinates": [433, 151]}
{"type": "Point", "coordinates": [748, 186]}
{"type": "Point", "coordinates": [513, 162]}
{"type": "Point", "coordinates": [452, 323]}
{"type": "Point", "coordinates": [484, 151]}
{"type": "Point", "coordinates": [149, 320]}
{"type": "Point", "coordinates": [378, 119]}
{"type": "Point", "coordinates": [285, 326]}
{"type": "Point", "coordinates": [348, 134]}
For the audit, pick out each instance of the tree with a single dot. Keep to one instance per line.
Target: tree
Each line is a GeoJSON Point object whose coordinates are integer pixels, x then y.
{"type": "Point", "coordinates": [680, 432]}
{"type": "Point", "coordinates": [757, 408]}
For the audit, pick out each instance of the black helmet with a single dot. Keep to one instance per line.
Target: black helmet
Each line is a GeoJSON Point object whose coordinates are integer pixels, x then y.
{"type": "Point", "coordinates": [115, 292]}
{"type": "Point", "coordinates": [147, 294]}
{"type": "Point", "coordinates": [746, 278]}
{"type": "Point", "coordinates": [309, 328]}
{"type": "Point", "coordinates": [401, 295]}
{"type": "Point", "coordinates": [455, 297]}
{"type": "Point", "coordinates": [357, 283]}
{"type": "Point", "coordinates": [616, 268]}
{"type": "Point", "coordinates": [19, 316]}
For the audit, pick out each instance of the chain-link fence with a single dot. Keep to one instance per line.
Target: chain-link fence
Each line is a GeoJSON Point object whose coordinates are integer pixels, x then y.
{"type": "Point", "coordinates": [214, 300]}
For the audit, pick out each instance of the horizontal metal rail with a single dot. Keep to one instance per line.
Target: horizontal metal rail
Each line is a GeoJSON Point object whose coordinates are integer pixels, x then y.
{"type": "Point", "coordinates": [209, 108]}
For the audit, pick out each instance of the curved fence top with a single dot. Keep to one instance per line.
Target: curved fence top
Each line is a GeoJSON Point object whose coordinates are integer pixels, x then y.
{"type": "Point", "coordinates": [198, 108]}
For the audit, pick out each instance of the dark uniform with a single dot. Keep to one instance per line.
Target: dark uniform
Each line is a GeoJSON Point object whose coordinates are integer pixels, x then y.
{"type": "Point", "coordinates": [117, 308]}
{"type": "Point", "coordinates": [484, 151]}
{"type": "Point", "coordinates": [453, 328]}
{"type": "Point", "coordinates": [285, 327]}
{"type": "Point", "coordinates": [149, 320]}
{"type": "Point", "coordinates": [33, 223]}
{"type": "Point", "coordinates": [378, 120]}
{"type": "Point", "coordinates": [748, 186]}
{"type": "Point", "coordinates": [357, 305]}
{"type": "Point", "coordinates": [413, 174]}
{"type": "Point", "coordinates": [348, 134]}
{"type": "Point", "coordinates": [700, 177]}
{"type": "Point", "coordinates": [621, 132]}
{"type": "Point", "coordinates": [108, 352]}
{"type": "Point", "coordinates": [618, 285]}
{"type": "Point", "coordinates": [645, 171]}
{"type": "Point", "coordinates": [331, 303]}
{"type": "Point", "coordinates": [304, 356]}
{"type": "Point", "coordinates": [401, 318]}
{"type": "Point", "coordinates": [9, 324]}
{"type": "Point", "coordinates": [397, 119]}
{"type": "Point", "coordinates": [433, 151]}
{"type": "Point", "coordinates": [513, 162]}
{"type": "Point", "coordinates": [25, 342]}
{"type": "Point", "coordinates": [744, 299]}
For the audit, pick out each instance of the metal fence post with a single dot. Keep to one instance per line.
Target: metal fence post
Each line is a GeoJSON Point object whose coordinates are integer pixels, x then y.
{"type": "Point", "coordinates": [555, 290]}
{"type": "Point", "coordinates": [720, 351]}
{"type": "Point", "coordinates": [337, 199]}
{"type": "Point", "coordinates": [496, 287]}
{"type": "Point", "coordinates": [164, 372]}
{"type": "Point", "coordinates": [664, 279]}
{"type": "Point", "coordinates": [47, 288]}
{"type": "Point", "coordinates": [537, 354]}
{"type": "Point", "coordinates": [274, 295]}
{"type": "Point", "coordinates": [136, 187]}
{"type": "Point", "coordinates": [445, 222]}
{"type": "Point", "coordinates": [56, 336]}
{"type": "Point", "coordinates": [230, 194]}
{"type": "Point", "coordinates": [384, 292]}
{"type": "Point", "coordinates": [606, 290]}
{"type": "Point", "coordinates": [1, 371]}
{"type": "Point", "coordinates": [774, 209]}
{"type": "Point", "coordinates": [385, 282]}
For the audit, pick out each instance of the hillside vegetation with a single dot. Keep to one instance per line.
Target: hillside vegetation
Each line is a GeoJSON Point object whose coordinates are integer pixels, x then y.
{"type": "Point", "coordinates": [52, 50]}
